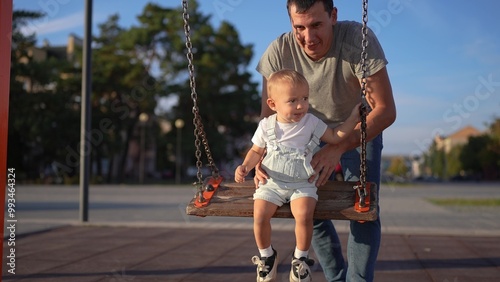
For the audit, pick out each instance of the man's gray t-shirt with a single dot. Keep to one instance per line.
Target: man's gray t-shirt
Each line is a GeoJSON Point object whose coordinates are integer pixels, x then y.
{"type": "Point", "coordinates": [334, 86]}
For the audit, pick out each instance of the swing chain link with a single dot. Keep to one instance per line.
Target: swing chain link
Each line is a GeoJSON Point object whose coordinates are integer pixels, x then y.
{"type": "Point", "coordinates": [199, 132]}
{"type": "Point", "coordinates": [198, 126]}
{"type": "Point", "coordinates": [364, 106]}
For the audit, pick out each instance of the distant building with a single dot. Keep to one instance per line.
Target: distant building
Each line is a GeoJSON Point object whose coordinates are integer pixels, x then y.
{"type": "Point", "coordinates": [46, 52]}
{"type": "Point", "coordinates": [459, 137]}
{"type": "Point", "coordinates": [415, 164]}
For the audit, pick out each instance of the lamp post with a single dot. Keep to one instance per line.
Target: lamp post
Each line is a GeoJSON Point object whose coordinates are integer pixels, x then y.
{"type": "Point", "coordinates": [86, 114]}
{"type": "Point", "coordinates": [179, 124]}
{"type": "Point", "coordinates": [143, 119]}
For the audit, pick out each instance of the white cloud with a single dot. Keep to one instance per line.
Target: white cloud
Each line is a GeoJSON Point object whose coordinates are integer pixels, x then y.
{"type": "Point", "coordinates": [484, 50]}
{"type": "Point", "coordinates": [47, 26]}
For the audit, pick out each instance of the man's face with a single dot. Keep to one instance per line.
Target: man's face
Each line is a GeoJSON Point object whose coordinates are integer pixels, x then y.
{"type": "Point", "coordinates": [313, 29]}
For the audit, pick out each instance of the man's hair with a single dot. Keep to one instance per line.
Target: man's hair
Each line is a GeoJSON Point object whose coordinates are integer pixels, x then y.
{"type": "Point", "coordinates": [304, 5]}
{"type": "Point", "coordinates": [285, 76]}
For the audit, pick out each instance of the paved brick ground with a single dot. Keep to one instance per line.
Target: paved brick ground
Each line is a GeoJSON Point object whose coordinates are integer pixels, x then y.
{"type": "Point", "coordinates": [143, 234]}
{"type": "Point", "coordinates": [119, 254]}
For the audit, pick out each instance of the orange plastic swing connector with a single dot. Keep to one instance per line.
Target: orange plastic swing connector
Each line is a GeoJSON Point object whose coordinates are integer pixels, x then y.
{"type": "Point", "coordinates": [210, 186]}
{"type": "Point", "coordinates": [362, 199]}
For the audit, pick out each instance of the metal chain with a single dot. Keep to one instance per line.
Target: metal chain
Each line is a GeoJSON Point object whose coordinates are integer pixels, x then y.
{"type": "Point", "coordinates": [199, 132]}
{"type": "Point", "coordinates": [198, 126]}
{"type": "Point", "coordinates": [364, 106]}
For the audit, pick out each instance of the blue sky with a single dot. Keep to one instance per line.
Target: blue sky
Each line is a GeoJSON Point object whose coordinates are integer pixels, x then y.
{"type": "Point", "coordinates": [444, 56]}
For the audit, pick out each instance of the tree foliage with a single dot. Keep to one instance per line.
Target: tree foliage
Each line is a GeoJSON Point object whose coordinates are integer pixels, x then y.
{"type": "Point", "coordinates": [435, 161]}
{"type": "Point", "coordinates": [398, 167]}
{"type": "Point", "coordinates": [133, 68]}
{"type": "Point", "coordinates": [481, 155]}
{"type": "Point", "coordinates": [454, 165]}
{"type": "Point", "coordinates": [478, 158]}
{"type": "Point", "coordinates": [41, 118]}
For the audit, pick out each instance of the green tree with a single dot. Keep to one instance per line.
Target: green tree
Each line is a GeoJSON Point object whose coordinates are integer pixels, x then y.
{"type": "Point", "coordinates": [40, 117]}
{"type": "Point", "coordinates": [493, 171]}
{"type": "Point", "coordinates": [123, 88]}
{"type": "Point", "coordinates": [473, 153]}
{"type": "Point", "coordinates": [398, 167]}
{"type": "Point", "coordinates": [132, 69]}
{"type": "Point", "coordinates": [228, 101]}
{"type": "Point", "coordinates": [435, 161]}
{"type": "Point", "coordinates": [481, 154]}
{"type": "Point", "coordinates": [453, 162]}
{"type": "Point", "coordinates": [494, 132]}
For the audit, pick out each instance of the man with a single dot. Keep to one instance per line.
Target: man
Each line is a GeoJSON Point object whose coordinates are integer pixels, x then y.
{"type": "Point", "coordinates": [328, 52]}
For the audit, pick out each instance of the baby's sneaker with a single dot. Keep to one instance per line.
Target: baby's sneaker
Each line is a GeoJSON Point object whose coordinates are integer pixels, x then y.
{"type": "Point", "coordinates": [266, 267]}
{"type": "Point", "coordinates": [300, 269]}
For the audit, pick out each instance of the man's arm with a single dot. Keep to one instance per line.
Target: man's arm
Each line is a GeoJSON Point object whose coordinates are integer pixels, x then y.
{"type": "Point", "coordinates": [260, 174]}
{"type": "Point", "coordinates": [265, 111]}
{"type": "Point", "coordinates": [379, 97]}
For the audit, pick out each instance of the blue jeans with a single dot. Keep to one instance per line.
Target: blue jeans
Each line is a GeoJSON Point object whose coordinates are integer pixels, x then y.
{"type": "Point", "coordinates": [364, 238]}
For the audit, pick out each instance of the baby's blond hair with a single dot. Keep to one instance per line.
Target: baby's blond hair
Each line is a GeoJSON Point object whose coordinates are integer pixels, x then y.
{"type": "Point", "coordinates": [285, 76]}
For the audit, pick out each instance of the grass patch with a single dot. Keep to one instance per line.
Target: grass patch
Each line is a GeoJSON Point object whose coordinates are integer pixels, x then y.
{"type": "Point", "coordinates": [466, 202]}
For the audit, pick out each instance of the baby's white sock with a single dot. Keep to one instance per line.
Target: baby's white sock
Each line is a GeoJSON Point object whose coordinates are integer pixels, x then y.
{"type": "Point", "coordinates": [267, 252]}
{"type": "Point", "coordinates": [300, 254]}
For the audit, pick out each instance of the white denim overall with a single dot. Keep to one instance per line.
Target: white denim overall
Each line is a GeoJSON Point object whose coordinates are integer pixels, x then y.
{"type": "Point", "coordinates": [289, 164]}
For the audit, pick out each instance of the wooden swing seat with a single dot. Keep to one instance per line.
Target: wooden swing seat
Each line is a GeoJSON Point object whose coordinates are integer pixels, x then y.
{"type": "Point", "coordinates": [335, 201]}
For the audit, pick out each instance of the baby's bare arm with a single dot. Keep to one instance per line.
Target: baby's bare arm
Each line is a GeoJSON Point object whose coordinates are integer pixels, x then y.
{"type": "Point", "coordinates": [339, 133]}
{"type": "Point", "coordinates": [251, 159]}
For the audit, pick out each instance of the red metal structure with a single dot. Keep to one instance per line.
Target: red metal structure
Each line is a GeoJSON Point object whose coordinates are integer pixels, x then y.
{"type": "Point", "coordinates": [5, 45]}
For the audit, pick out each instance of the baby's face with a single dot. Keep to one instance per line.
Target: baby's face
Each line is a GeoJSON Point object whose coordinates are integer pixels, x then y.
{"type": "Point", "coordinates": [291, 102]}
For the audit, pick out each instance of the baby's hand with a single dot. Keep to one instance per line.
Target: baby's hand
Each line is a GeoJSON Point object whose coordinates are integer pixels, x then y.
{"type": "Point", "coordinates": [240, 173]}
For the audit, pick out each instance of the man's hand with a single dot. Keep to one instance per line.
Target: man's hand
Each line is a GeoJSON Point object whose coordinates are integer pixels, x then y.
{"type": "Point", "coordinates": [260, 175]}
{"type": "Point", "coordinates": [324, 163]}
